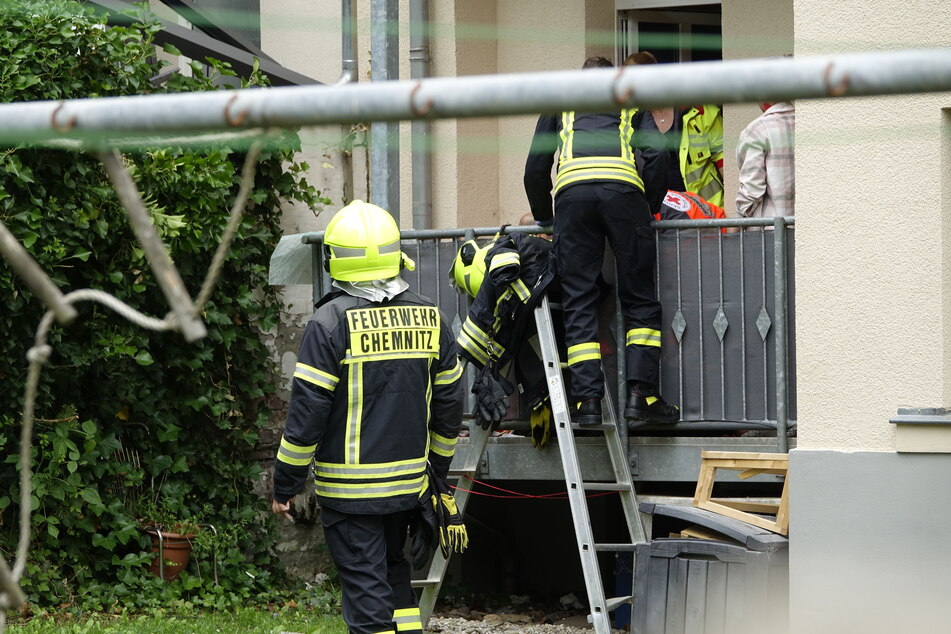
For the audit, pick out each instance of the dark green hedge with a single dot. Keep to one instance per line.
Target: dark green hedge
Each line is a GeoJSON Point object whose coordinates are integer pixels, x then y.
{"type": "Point", "coordinates": [113, 391]}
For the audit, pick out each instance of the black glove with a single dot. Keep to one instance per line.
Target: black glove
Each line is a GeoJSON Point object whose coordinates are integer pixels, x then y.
{"type": "Point", "coordinates": [423, 530]}
{"type": "Point", "coordinates": [492, 392]}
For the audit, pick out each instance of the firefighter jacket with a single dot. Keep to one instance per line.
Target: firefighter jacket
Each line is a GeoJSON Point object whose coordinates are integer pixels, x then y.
{"type": "Point", "coordinates": [592, 148]}
{"type": "Point", "coordinates": [376, 394]}
{"type": "Point", "coordinates": [701, 152]}
{"type": "Point", "coordinates": [519, 271]}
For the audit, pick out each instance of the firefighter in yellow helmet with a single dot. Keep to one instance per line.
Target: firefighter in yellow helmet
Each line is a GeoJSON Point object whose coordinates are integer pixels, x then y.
{"type": "Point", "coordinates": [507, 278]}
{"type": "Point", "coordinates": [375, 410]}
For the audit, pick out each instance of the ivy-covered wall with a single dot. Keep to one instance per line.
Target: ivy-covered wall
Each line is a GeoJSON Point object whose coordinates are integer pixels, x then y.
{"type": "Point", "coordinates": [135, 426]}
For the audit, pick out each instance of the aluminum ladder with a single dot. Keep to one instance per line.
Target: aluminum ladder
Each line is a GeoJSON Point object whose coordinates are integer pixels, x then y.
{"type": "Point", "coordinates": [430, 584]}
{"type": "Point", "coordinates": [577, 488]}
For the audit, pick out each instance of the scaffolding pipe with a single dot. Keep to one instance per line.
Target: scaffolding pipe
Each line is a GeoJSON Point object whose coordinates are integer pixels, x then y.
{"type": "Point", "coordinates": [421, 135]}
{"type": "Point", "coordinates": [648, 86]}
{"type": "Point", "coordinates": [348, 74]}
{"type": "Point", "coordinates": [348, 43]}
{"type": "Point", "coordinates": [384, 132]}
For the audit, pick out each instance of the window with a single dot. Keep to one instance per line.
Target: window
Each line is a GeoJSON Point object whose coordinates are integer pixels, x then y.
{"type": "Point", "coordinates": [674, 31]}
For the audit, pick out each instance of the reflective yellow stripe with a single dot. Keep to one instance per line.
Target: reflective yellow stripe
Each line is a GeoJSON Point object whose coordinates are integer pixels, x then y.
{"type": "Point", "coordinates": [521, 289]}
{"type": "Point", "coordinates": [362, 490]}
{"type": "Point", "coordinates": [475, 333]}
{"type": "Point", "coordinates": [354, 412]}
{"type": "Point", "coordinates": [372, 470]}
{"type": "Point", "coordinates": [567, 135]}
{"type": "Point", "coordinates": [479, 353]}
{"type": "Point", "coordinates": [589, 162]}
{"type": "Point", "coordinates": [442, 445]}
{"type": "Point", "coordinates": [504, 259]}
{"type": "Point", "coordinates": [643, 337]}
{"type": "Point", "coordinates": [386, 356]}
{"type": "Point", "coordinates": [408, 619]}
{"type": "Point", "coordinates": [584, 352]}
{"type": "Point", "coordinates": [319, 378]}
{"type": "Point", "coordinates": [448, 377]}
{"type": "Point", "coordinates": [292, 454]}
{"type": "Point", "coordinates": [711, 190]}
{"type": "Point", "coordinates": [626, 131]}
{"type": "Point", "coordinates": [598, 174]}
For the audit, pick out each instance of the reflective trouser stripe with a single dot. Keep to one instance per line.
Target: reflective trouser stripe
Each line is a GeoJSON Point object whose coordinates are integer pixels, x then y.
{"type": "Point", "coordinates": [643, 337]}
{"type": "Point", "coordinates": [584, 352]}
{"type": "Point", "coordinates": [408, 619]}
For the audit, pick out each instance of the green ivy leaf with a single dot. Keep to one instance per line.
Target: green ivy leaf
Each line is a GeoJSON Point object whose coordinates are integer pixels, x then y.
{"type": "Point", "coordinates": [91, 496]}
{"type": "Point", "coordinates": [29, 239]}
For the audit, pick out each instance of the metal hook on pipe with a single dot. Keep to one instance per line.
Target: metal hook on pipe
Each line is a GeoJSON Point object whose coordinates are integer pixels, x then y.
{"type": "Point", "coordinates": [70, 122]}
{"type": "Point", "coordinates": [838, 90]}
{"type": "Point", "coordinates": [621, 98]}
{"type": "Point", "coordinates": [234, 121]}
{"type": "Point", "coordinates": [427, 106]}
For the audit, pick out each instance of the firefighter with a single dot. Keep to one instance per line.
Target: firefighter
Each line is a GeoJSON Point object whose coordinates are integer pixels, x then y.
{"type": "Point", "coordinates": [598, 193]}
{"type": "Point", "coordinates": [376, 402]}
{"type": "Point", "coordinates": [507, 278]}
{"type": "Point", "coordinates": [692, 137]}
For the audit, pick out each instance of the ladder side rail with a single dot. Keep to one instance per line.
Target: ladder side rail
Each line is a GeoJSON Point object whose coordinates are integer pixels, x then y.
{"type": "Point", "coordinates": [478, 439]}
{"type": "Point", "coordinates": [622, 475]}
{"type": "Point", "coordinates": [575, 486]}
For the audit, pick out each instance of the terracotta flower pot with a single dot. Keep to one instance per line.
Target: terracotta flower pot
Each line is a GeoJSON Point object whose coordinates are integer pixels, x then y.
{"type": "Point", "coordinates": [172, 552]}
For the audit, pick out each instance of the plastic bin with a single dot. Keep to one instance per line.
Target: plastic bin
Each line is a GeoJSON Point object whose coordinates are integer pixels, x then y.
{"type": "Point", "coordinates": [700, 586]}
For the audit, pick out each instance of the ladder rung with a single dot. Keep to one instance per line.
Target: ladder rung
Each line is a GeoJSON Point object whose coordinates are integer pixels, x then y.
{"type": "Point", "coordinates": [615, 602]}
{"type": "Point", "coordinates": [614, 548]}
{"type": "Point", "coordinates": [421, 583]}
{"type": "Point", "coordinates": [599, 427]}
{"type": "Point", "coordinates": [461, 471]}
{"type": "Point", "coordinates": [605, 486]}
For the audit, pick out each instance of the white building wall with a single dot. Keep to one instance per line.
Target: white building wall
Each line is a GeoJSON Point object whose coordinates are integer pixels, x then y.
{"type": "Point", "coordinates": [873, 302]}
{"type": "Point", "coordinates": [873, 299]}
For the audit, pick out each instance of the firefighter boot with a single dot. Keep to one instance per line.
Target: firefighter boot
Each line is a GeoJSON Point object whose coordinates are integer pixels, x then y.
{"type": "Point", "coordinates": [644, 404]}
{"type": "Point", "coordinates": [588, 412]}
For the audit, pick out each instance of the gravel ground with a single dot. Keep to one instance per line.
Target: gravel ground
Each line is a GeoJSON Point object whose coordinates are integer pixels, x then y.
{"type": "Point", "coordinates": [508, 624]}
{"type": "Point", "coordinates": [516, 616]}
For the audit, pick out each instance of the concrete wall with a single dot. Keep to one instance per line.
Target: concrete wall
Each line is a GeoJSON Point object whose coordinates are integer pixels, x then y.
{"type": "Point", "coordinates": [867, 553]}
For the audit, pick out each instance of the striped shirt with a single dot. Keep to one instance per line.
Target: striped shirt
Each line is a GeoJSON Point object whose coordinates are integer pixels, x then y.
{"type": "Point", "coordinates": [765, 155]}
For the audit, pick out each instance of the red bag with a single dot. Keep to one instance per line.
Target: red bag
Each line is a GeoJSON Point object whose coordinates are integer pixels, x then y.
{"type": "Point", "coordinates": [688, 205]}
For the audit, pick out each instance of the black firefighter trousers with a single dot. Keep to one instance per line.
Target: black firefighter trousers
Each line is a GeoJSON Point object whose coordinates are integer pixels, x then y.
{"type": "Point", "coordinates": [375, 575]}
{"type": "Point", "coordinates": [586, 214]}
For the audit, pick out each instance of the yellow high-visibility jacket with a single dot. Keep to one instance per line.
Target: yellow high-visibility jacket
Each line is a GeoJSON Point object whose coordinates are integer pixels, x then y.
{"type": "Point", "coordinates": [701, 152]}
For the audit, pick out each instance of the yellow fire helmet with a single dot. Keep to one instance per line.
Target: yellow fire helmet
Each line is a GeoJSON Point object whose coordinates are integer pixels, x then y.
{"type": "Point", "coordinates": [362, 243]}
{"type": "Point", "coordinates": [468, 268]}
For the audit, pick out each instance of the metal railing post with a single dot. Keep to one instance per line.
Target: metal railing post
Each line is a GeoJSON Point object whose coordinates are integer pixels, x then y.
{"type": "Point", "coordinates": [779, 273]}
